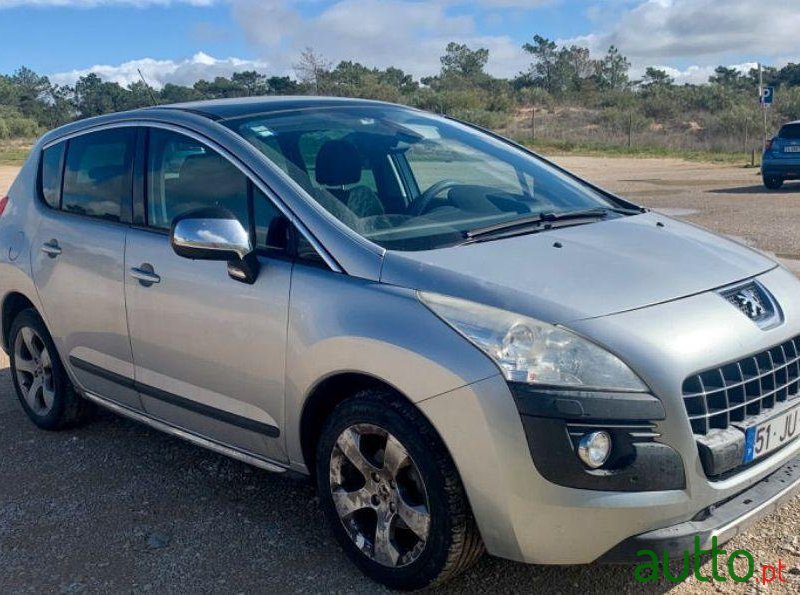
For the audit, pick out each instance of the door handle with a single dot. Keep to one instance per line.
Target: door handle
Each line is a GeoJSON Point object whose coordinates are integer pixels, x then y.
{"type": "Point", "coordinates": [145, 274]}
{"type": "Point", "coordinates": [51, 248]}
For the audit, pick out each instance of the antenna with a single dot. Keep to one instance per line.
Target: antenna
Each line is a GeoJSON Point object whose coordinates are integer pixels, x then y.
{"type": "Point", "coordinates": [149, 88]}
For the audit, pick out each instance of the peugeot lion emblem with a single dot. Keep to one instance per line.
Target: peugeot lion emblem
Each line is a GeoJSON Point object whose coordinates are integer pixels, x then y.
{"type": "Point", "coordinates": [748, 301]}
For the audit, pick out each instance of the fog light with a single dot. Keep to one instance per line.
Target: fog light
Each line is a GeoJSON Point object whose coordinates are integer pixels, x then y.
{"type": "Point", "coordinates": [594, 448]}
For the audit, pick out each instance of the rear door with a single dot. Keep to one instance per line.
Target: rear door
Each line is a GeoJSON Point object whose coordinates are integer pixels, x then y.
{"type": "Point", "coordinates": [78, 258]}
{"type": "Point", "coordinates": [209, 351]}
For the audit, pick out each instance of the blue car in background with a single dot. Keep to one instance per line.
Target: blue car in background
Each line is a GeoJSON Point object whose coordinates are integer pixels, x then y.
{"type": "Point", "coordinates": [781, 160]}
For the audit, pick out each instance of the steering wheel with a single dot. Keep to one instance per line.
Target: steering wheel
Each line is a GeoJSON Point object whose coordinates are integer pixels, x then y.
{"type": "Point", "coordinates": [420, 204]}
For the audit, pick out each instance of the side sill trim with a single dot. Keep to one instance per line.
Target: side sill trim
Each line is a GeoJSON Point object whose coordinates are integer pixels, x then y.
{"type": "Point", "coordinates": [223, 449]}
{"type": "Point", "coordinates": [176, 400]}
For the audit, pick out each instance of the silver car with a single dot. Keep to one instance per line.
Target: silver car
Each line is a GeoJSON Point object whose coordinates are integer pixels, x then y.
{"type": "Point", "coordinates": [466, 346]}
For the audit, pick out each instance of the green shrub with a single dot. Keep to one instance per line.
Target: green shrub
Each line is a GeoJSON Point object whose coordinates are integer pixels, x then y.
{"type": "Point", "coordinates": [21, 127]}
{"type": "Point", "coordinates": [660, 106]}
{"type": "Point", "coordinates": [787, 103]}
{"type": "Point", "coordinates": [618, 120]}
{"type": "Point", "coordinates": [482, 117]}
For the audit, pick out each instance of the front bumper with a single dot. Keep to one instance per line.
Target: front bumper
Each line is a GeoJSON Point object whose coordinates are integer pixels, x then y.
{"type": "Point", "coordinates": [723, 521]}
{"type": "Point", "coordinates": [526, 517]}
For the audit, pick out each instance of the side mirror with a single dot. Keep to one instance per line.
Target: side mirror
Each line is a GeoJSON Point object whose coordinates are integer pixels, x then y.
{"type": "Point", "coordinates": [215, 234]}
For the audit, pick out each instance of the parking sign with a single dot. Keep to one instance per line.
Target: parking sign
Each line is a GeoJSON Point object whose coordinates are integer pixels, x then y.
{"type": "Point", "coordinates": [767, 95]}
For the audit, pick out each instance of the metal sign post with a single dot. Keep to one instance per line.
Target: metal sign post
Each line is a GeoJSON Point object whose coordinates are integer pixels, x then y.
{"type": "Point", "coordinates": [765, 97]}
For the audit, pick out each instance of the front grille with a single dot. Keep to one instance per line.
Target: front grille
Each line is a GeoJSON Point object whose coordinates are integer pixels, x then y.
{"type": "Point", "coordinates": [731, 394]}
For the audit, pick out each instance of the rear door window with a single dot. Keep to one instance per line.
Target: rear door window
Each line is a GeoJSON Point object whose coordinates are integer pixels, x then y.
{"type": "Point", "coordinates": [52, 161]}
{"type": "Point", "coordinates": [97, 176]}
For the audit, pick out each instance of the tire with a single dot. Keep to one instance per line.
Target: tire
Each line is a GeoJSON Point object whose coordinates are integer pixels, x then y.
{"type": "Point", "coordinates": [39, 378]}
{"type": "Point", "coordinates": [773, 182]}
{"type": "Point", "coordinates": [375, 422]}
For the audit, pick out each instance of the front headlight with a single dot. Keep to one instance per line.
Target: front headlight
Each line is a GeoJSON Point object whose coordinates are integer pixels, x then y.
{"type": "Point", "coordinates": [528, 350]}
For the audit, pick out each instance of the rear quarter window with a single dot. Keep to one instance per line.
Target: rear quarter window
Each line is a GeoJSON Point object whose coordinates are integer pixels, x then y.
{"type": "Point", "coordinates": [97, 176]}
{"type": "Point", "coordinates": [52, 162]}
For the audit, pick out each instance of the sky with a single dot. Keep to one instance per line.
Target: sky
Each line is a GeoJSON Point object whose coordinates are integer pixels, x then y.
{"type": "Point", "coordinates": [181, 41]}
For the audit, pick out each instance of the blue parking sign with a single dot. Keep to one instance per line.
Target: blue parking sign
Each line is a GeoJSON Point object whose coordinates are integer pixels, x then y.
{"type": "Point", "coordinates": [767, 95]}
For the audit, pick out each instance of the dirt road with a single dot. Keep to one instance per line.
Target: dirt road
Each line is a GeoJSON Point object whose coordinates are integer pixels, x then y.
{"type": "Point", "coordinates": [114, 506]}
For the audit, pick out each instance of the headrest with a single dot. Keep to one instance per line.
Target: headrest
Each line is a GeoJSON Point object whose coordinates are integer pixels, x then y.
{"type": "Point", "coordinates": [338, 164]}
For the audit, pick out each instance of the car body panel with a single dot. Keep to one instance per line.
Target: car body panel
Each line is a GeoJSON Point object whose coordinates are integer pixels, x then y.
{"type": "Point", "coordinates": [339, 324]}
{"type": "Point", "coordinates": [628, 263]}
{"type": "Point", "coordinates": [201, 335]}
{"type": "Point", "coordinates": [83, 298]}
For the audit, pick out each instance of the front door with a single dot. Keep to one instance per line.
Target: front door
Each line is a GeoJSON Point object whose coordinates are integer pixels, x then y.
{"type": "Point", "coordinates": [208, 350]}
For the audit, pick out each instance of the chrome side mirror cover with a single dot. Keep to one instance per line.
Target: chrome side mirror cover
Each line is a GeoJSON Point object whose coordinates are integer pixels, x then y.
{"type": "Point", "coordinates": [215, 234]}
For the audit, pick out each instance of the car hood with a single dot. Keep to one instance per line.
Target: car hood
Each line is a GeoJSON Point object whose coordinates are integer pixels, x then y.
{"type": "Point", "coordinates": [583, 271]}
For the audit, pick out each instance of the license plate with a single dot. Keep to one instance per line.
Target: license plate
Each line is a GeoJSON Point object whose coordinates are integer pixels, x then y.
{"type": "Point", "coordinates": [792, 149]}
{"type": "Point", "coordinates": [763, 438]}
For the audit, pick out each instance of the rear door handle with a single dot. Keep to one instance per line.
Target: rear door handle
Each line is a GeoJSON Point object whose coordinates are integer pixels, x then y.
{"type": "Point", "coordinates": [145, 274]}
{"type": "Point", "coordinates": [51, 248]}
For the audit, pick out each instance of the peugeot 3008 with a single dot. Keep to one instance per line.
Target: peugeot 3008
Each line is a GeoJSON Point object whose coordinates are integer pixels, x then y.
{"type": "Point", "coordinates": [466, 346]}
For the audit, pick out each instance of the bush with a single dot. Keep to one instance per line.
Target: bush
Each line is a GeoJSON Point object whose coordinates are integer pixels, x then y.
{"type": "Point", "coordinates": [484, 118]}
{"type": "Point", "coordinates": [618, 120]}
{"type": "Point", "coordinates": [21, 127]}
{"type": "Point", "coordinates": [660, 106]}
{"type": "Point", "coordinates": [535, 96]}
{"type": "Point", "coordinates": [787, 103]}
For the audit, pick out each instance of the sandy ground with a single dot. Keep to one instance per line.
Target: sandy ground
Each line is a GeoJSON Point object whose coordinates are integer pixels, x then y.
{"type": "Point", "coordinates": [114, 506]}
{"type": "Point", "coordinates": [7, 175]}
{"type": "Point", "coordinates": [730, 200]}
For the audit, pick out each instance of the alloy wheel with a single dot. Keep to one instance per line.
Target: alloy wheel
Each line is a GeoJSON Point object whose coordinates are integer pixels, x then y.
{"type": "Point", "coordinates": [33, 367]}
{"type": "Point", "coordinates": [379, 495]}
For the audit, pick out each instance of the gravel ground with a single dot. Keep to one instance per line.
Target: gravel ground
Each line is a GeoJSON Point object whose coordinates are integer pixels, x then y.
{"type": "Point", "coordinates": [114, 506]}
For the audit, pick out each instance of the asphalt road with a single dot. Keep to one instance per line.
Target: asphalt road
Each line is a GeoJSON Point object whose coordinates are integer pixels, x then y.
{"type": "Point", "coordinates": [114, 506]}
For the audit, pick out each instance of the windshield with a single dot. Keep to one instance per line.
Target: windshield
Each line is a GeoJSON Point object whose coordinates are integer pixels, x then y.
{"type": "Point", "coordinates": [408, 180]}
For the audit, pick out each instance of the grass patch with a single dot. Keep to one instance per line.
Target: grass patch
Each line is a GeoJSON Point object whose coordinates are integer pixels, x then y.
{"type": "Point", "coordinates": [554, 147]}
{"type": "Point", "coordinates": [14, 152]}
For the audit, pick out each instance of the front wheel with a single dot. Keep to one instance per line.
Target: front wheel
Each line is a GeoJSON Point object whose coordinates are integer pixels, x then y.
{"type": "Point", "coordinates": [392, 494]}
{"type": "Point", "coordinates": [773, 182]}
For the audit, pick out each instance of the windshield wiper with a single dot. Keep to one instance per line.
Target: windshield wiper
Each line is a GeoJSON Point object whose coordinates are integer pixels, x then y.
{"type": "Point", "coordinates": [539, 220]}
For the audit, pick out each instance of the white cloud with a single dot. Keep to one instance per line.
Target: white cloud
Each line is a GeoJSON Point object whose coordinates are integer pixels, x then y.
{"type": "Point", "coordinates": [407, 34]}
{"type": "Point", "coordinates": [679, 29]}
{"type": "Point", "coordinates": [688, 38]}
{"type": "Point", "coordinates": [159, 72]}
{"type": "Point", "coordinates": [704, 33]}
{"type": "Point", "coordinates": [692, 75]}
{"type": "Point", "coordinates": [96, 3]}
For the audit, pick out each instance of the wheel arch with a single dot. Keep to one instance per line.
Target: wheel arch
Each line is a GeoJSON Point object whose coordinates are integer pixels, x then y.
{"type": "Point", "coordinates": [322, 400]}
{"type": "Point", "coordinates": [13, 303]}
